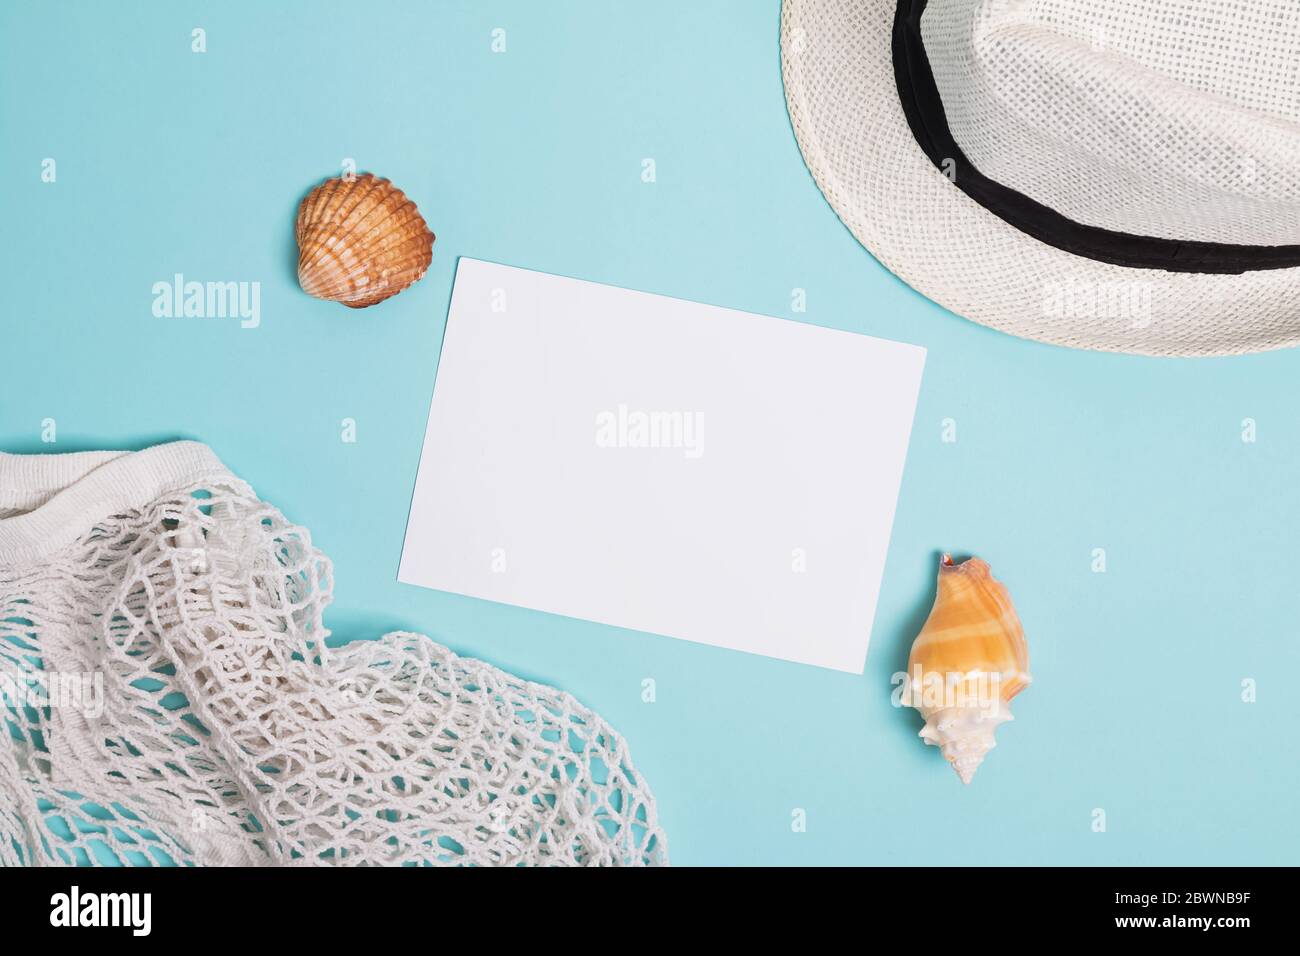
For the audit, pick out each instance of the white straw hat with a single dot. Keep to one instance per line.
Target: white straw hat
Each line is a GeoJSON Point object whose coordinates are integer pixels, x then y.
{"type": "Point", "coordinates": [1121, 175]}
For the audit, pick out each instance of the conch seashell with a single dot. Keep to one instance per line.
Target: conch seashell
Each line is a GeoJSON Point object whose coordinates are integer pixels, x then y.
{"type": "Point", "coordinates": [360, 240]}
{"type": "Point", "coordinates": [967, 663]}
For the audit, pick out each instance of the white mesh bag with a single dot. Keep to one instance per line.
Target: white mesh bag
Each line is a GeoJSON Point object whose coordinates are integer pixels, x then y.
{"type": "Point", "coordinates": [168, 698]}
{"type": "Point", "coordinates": [1121, 175]}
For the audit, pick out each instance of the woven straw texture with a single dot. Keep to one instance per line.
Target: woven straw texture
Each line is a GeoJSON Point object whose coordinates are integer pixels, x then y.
{"type": "Point", "coordinates": [1168, 118]}
{"type": "Point", "coordinates": [226, 732]}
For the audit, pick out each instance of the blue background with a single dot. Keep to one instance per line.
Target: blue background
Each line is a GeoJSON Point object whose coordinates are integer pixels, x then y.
{"type": "Point", "coordinates": [171, 161]}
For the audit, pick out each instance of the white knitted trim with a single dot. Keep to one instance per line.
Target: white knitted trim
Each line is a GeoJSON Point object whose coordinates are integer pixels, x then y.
{"type": "Point", "coordinates": [59, 497]}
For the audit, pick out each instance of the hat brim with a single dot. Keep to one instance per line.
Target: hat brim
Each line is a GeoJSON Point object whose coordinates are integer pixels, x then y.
{"type": "Point", "coordinates": [840, 89]}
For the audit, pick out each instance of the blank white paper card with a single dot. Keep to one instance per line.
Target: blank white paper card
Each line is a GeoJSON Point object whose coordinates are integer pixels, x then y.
{"type": "Point", "coordinates": [660, 465]}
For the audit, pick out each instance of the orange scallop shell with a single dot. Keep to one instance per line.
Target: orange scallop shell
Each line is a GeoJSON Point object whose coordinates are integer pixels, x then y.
{"type": "Point", "coordinates": [360, 240]}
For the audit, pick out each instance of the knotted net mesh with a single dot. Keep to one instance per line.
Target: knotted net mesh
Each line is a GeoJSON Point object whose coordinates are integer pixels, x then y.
{"type": "Point", "coordinates": [169, 698]}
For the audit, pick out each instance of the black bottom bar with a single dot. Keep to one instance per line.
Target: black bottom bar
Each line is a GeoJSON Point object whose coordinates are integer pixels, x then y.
{"type": "Point", "coordinates": [296, 907]}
